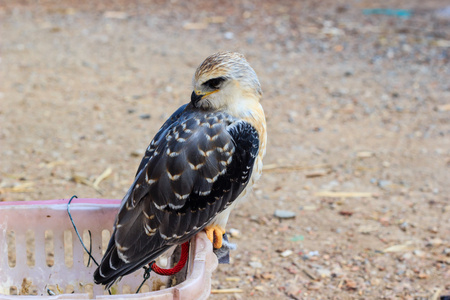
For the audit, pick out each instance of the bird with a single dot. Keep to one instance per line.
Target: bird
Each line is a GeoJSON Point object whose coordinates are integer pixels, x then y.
{"type": "Point", "coordinates": [201, 163]}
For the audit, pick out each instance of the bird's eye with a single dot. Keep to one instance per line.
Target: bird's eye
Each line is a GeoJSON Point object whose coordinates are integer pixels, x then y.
{"type": "Point", "coordinates": [214, 83]}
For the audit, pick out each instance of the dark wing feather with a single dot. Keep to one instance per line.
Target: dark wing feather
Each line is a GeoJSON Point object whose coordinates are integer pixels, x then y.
{"type": "Point", "coordinates": [161, 131]}
{"type": "Point", "coordinates": [195, 167]}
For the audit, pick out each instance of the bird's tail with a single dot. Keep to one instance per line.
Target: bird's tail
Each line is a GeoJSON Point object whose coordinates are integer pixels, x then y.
{"type": "Point", "coordinates": [113, 267]}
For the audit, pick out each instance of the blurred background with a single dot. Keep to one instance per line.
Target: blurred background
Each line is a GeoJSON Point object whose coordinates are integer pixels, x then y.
{"type": "Point", "coordinates": [354, 200]}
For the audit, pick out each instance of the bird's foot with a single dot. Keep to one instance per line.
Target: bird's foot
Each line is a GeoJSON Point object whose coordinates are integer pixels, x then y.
{"type": "Point", "coordinates": [214, 234]}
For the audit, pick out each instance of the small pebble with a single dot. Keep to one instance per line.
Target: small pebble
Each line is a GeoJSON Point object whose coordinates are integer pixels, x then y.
{"type": "Point", "coordinates": [364, 154]}
{"type": "Point", "coordinates": [266, 275]}
{"type": "Point", "coordinates": [419, 253]}
{"type": "Point", "coordinates": [351, 285]}
{"type": "Point", "coordinates": [286, 253]}
{"type": "Point", "coordinates": [255, 264]}
{"type": "Point", "coordinates": [284, 214]}
{"type": "Point", "coordinates": [324, 273]}
{"type": "Point", "coordinates": [346, 213]}
{"type": "Point", "coordinates": [433, 229]}
{"type": "Point", "coordinates": [434, 242]}
{"type": "Point", "coordinates": [144, 116]}
{"type": "Point", "coordinates": [348, 73]}
{"type": "Point", "coordinates": [423, 276]}
{"type": "Point", "coordinates": [120, 15]}
{"type": "Point", "coordinates": [229, 35]}
{"type": "Point", "coordinates": [313, 286]}
{"type": "Point", "coordinates": [98, 128]}
{"type": "Point", "coordinates": [404, 226]}
{"type": "Point", "coordinates": [385, 184]}
{"type": "Point", "coordinates": [309, 207]}
{"type": "Point", "coordinates": [407, 255]}
{"type": "Point", "coordinates": [235, 233]}
{"type": "Point", "coordinates": [136, 153]}
{"type": "Point", "coordinates": [330, 185]}
{"type": "Point", "coordinates": [317, 173]}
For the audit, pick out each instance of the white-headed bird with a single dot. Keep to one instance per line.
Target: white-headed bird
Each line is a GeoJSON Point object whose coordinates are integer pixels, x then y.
{"type": "Point", "coordinates": [201, 163]}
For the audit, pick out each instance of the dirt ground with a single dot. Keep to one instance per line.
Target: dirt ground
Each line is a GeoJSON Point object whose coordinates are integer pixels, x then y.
{"type": "Point", "coordinates": [358, 114]}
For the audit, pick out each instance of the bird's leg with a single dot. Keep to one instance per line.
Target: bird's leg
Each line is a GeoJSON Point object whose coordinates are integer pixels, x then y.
{"type": "Point", "coordinates": [214, 233]}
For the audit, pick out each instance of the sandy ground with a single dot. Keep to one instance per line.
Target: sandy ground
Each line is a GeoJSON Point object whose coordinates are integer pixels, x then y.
{"type": "Point", "coordinates": [358, 113]}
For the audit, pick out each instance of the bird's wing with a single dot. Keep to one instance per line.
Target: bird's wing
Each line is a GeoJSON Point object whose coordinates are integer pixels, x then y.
{"type": "Point", "coordinates": [198, 167]}
{"type": "Point", "coordinates": [162, 131]}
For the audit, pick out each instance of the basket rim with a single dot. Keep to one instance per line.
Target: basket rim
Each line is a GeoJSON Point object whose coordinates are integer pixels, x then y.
{"type": "Point", "coordinates": [96, 201]}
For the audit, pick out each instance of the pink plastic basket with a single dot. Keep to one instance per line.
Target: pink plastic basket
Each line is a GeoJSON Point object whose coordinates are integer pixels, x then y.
{"type": "Point", "coordinates": [40, 254]}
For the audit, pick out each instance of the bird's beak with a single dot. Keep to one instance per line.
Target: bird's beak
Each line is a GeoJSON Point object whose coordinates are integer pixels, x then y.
{"type": "Point", "coordinates": [196, 96]}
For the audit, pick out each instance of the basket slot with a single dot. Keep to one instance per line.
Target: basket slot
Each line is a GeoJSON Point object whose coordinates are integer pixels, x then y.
{"type": "Point", "coordinates": [68, 248]}
{"type": "Point", "coordinates": [97, 241]}
{"type": "Point", "coordinates": [30, 245]}
{"type": "Point", "coordinates": [11, 241]}
{"type": "Point", "coordinates": [39, 249]}
{"type": "Point", "coordinates": [58, 243]}
{"type": "Point", "coordinates": [69, 289]}
{"type": "Point", "coordinates": [13, 290]}
{"type": "Point", "coordinates": [78, 251]}
{"type": "Point", "coordinates": [126, 289]}
{"type": "Point", "coordinates": [21, 251]}
{"type": "Point", "coordinates": [96, 238]}
{"type": "Point", "coordinates": [87, 243]}
{"type": "Point", "coordinates": [52, 290]}
{"type": "Point", "coordinates": [89, 289]}
{"type": "Point", "coordinates": [106, 235]}
{"type": "Point", "coordinates": [32, 290]}
{"type": "Point", "coordinates": [49, 248]}
{"type": "Point", "coordinates": [144, 289]}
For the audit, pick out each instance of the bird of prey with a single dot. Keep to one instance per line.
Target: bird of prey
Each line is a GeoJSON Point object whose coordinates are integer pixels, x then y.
{"type": "Point", "coordinates": [200, 164]}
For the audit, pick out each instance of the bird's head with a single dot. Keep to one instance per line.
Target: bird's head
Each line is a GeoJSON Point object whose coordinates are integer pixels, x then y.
{"type": "Point", "coordinates": [224, 80]}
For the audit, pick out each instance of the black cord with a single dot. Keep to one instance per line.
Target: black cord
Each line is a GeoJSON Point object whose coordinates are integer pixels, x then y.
{"type": "Point", "coordinates": [81, 241]}
{"type": "Point", "coordinates": [78, 234]}
{"type": "Point", "coordinates": [146, 275]}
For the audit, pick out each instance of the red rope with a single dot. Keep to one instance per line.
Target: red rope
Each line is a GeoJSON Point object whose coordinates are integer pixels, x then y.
{"type": "Point", "coordinates": [178, 267]}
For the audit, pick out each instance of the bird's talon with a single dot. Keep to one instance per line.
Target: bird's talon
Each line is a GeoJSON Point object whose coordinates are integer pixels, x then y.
{"type": "Point", "coordinates": [214, 234]}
